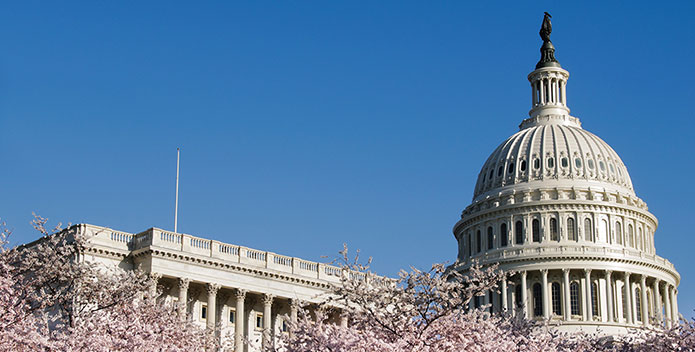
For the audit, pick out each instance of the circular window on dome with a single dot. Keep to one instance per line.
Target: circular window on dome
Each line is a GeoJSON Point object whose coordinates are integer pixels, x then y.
{"type": "Point", "coordinates": [551, 163]}
{"type": "Point", "coordinates": [499, 171]}
{"type": "Point", "coordinates": [612, 167]}
{"type": "Point", "coordinates": [492, 173]}
{"type": "Point", "coordinates": [536, 163]}
{"type": "Point", "coordinates": [564, 162]}
{"type": "Point", "coordinates": [590, 163]}
{"type": "Point", "coordinates": [620, 173]}
{"type": "Point", "coordinates": [602, 165]}
{"type": "Point", "coordinates": [523, 165]}
{"type": "Point", "coordinates": [484, 174]}
{"type": "Point", "coordinates": [511, 168]}
{"type": "Point", "coordinates": [578, 163]}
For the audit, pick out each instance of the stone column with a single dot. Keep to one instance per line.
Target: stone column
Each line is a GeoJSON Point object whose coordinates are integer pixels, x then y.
{"type": "Point", "coordinates": [546, 301]}
{"type": "Point", "coordinates": [240, 296]}
{"type": "Point", "coordinates": [343, 319]}
{"type": "Point", "coordinates": [524, 294]}
{"type": "Point", "coordinates": [542, 91]}
{"type": "Point", "coordinates": [674, 301]}
{"type": "Point", "coordinates": [155, 280]}
{"type": "Point", "coordinates": [657, 302]}
{"type": "Point", "coordinates": [212, 302]}
{"type": "Point", "coordinates": [667, 307]}
{"type": "Point", "coordinates": [267, 300]}
{"type": "Point", "coordinates": [609, 295]}
{"type": "Point", "coordinates": [628, 298]}
{"type": "Point", "coordinates": [567, 308]}
{"type": "Point", "coordinates": [183, 297]}
{"type": "Point", "coordinates": [294, 309]}
{"type": "Point", "coordinates": [674, 310]}
{"type": "Point", "coordinates": [505, 306]}
{"type": "Point", "coordinates": [564, 94]}
{"type": "Point", "coordinates": [586, 296]}
{"type": "Point", "coordinates": [644, 305]}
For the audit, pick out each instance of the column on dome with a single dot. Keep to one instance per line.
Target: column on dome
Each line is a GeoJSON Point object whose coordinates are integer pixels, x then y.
{"type": "Point", "coordinates": [643, 299]}
{"type": "Point", "coordinates": [567, 308]}
{"type": "Point", "coordinates": [183, 297]}
{"type": "Point", "coordinates": [524, 295]}
{"type": "Point", "coordinates": [609, 295]}
{"type": "Point", "coordinates": [541, 89]}
{"type": "Point", "coordinates": [534, 94]}
{"type": "Point", "coordinates": [674, 309]}
{"type": "Point", "coordinates": [267, 300]}
{"type": "Point", "coordinates": [239, 296]}
{"type": "Point", "coordinates": [667, 305]}
{"type": "Point", "coordinates": [211, 289]}
{"type": "Point", "coordinates": [628, 298]}
{"type": "Point", "coordinates": [675, 303]}
{"type": "Point", "coordinates": [544, 296]}
{"type": "Point", "coordinates": [586, 293]}
{"type": "Point", "coordinates": [505, 306]}
{"type": "Point", "coordinates": [564, 93]}
{"type": "Point", "coordinates": [657, 301]}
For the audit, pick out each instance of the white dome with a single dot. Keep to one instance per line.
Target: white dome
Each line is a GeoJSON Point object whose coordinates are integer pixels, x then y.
{"type": "Point", "coordinates": [553, 150]}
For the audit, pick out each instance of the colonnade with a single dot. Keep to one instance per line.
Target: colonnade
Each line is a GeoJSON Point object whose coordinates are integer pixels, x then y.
{"type": "Point", "coordinates": [549, 91]}
{"type": "Point", "coordinates": [587, 295]}
{"type": "Point", "coordinates": [243, 299]}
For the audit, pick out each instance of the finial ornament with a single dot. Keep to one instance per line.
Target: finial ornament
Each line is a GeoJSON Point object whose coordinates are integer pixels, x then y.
{"type": "Point", "coordinates": [546, 27]}
{"type": "Point", "coordinates": [547, 50]}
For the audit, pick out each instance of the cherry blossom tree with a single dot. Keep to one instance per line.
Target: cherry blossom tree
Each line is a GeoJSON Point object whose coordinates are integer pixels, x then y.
{"type": "Point", "coordinates": [429, 311]}
{"type": "Point", "coordinates": [52, 299]}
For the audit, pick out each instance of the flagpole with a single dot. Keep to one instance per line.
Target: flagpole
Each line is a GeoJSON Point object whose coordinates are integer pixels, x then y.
{"type": "Point", "coordinates": [176, 207]}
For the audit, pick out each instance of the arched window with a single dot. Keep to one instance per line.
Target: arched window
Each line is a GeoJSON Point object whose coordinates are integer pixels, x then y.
{"type": "Point", "coordinates": [504, 236]}
{"type": "Point", "coordinates": [537, 300]}
{"type": "Point", "coordinates": [630, 236]}
{"type": "Point", "coordinates": [571, 230]}
{"type": "Point", "coordinates": [618, 233]}
{"type": "Point", "coordinates": [594, 299]}
{"type": "Point", "coordinates": [536, 227]}
{"type": "Point", "coordinates": [553, 230]}
{"type": "Point", "coordinates": [638, 304]}
{"type": "Point", "coordinates": [490, 238]}
{"type": "Point", "coordinates": [517, 293]}
{"type": "Point", "coordinates": [588, 231]}
{"type": "Point", "coordinates": [603, 231]}
{"type": "Point", "coordinates": [477, 301]}
{"type": "Point", "coordinates": [557, 298]}
{"type": "Point", "coordinates": [519, 232]}
{"type": "Point", "coordinates": [477, 242]}
{"type": "Point", "coordinates": [574, 298]}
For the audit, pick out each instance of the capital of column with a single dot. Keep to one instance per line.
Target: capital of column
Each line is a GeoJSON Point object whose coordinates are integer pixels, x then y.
{"type": "Point", "coordinates": [239, 293]}
{"type": "Point", "coordinates": [295, 304]}
{"type": "Point", "coordinates": [608, 273]}
{"type": "Point", "coordinates": [643, 279]}
{"type": "Point", "coordinates": [565, 271]}
{"type": "Point", "coordinates": [524, 274]}
{"type": "Point", "coordinates": [183, 283]}
{"type": "Point", "coordinates": [544, 272]}
{"type": "Point", "coordinates": [212, 288]}
{"type": "Point", "coordinates": [267, 299]}
{"type": "Point", "coordinates": [587, 272]}
{"type": "Point", "coordinates": [155, 276]}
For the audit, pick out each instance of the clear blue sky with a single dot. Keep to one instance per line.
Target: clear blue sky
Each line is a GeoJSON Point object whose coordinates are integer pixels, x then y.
{"type": "Point", "coordinates": [304, 125]}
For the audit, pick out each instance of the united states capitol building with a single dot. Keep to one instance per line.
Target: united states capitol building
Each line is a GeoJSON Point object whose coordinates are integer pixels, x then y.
{"type": "Point", "coordinates": [554, 206]}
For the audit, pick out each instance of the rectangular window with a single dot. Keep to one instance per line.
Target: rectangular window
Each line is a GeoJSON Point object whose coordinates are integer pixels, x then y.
{"type": "Point", "coordinates": [259, 321]}
{"type": "Point", "coordinates": [284, 326]}
{"type": "Point", "coordinates": [232, 316]}
{"type": "Point", "coordinates": [204, 312]}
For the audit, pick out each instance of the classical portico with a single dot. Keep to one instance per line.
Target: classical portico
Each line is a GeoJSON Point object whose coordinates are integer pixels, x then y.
{"type": "Point", "coordinates": [236, 292]}
{"type": "Point", "coordinates": [554, 206]}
